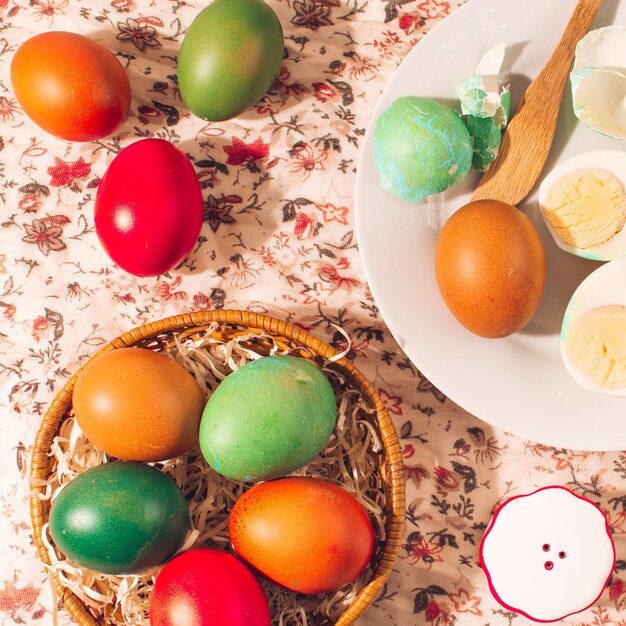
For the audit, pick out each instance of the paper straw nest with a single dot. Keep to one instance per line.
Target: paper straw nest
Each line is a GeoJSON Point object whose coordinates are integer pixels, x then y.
{"type": "Point", "coordinates": [362, 455]}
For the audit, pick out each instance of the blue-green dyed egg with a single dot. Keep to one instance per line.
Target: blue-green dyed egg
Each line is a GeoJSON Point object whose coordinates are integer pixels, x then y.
{"type": "Point", "coordinates": [119, 518]}
{"type": "Point", "coordinates": [267, 418]}
{"type": "Point", "coordinates": [421, 148]}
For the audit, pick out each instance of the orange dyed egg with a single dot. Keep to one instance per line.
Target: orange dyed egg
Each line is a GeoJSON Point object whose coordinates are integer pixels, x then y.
{"type": "Point", "coordinates": [138, 405]}
{"type": "Point", "coordinates": [306, 534]}
{"type": "Point", "coordinates": [70, 85]}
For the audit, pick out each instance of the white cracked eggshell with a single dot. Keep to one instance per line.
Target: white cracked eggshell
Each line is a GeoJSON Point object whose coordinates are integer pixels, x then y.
{"type": "Point", "coordinates": [605, 287]}
{"type": "Point", "coordinates": [599, 81]}
{"type": "Point", "coordinates": [611, 161]}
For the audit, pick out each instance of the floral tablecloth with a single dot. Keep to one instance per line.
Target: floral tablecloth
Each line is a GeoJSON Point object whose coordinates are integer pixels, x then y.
{"type": "Point", "coordinates": [278, 238]}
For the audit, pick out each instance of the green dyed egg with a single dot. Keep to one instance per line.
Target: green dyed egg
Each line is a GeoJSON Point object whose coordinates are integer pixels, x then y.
{"type": "Point", "coordinates": [267, 418]}
{"type": "Point", "coordinates": [229, 58]}
{"type": "Point", "coordinates": [421, 148]}
{"type": "Point", "coordinates": [119, 518]}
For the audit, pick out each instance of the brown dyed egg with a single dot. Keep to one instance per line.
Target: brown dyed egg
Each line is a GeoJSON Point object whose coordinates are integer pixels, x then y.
{"type": "Point", "coordinates": [138, 405]}
{"type": "Point", "coordinates": [490, 267]}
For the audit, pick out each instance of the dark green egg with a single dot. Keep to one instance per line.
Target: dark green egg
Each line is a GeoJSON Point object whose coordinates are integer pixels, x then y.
{"type": "Point", "coordinates": [119, 518]}
{"type": "Point", "coordinates": [229, 58]}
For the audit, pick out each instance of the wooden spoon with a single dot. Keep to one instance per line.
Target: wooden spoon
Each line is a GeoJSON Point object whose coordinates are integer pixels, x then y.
{"type": "Point", "coordinates": [527, 139]}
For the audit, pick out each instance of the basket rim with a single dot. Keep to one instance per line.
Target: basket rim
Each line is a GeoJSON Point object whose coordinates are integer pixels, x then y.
{"type": "Point", "coordinates": [40, 461]}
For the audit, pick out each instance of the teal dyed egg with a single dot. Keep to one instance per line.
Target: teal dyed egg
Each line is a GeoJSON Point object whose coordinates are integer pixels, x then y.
{"type": "Point", "coordinates": [267, 418]}
{"type": "Point", "coordinates": [229, 58]}
{"type": "Point", "coordinates": [421, 148]}
{"type": "Point", "coordinates": [119, 518]}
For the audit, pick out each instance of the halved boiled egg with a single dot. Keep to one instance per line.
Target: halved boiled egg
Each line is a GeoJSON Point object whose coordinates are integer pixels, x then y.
{"type": "Point", "coordinates": [593, 333]}
{"type": "Point", "coordinates": [583, 203]}
{"type": "Point", "coordinates": [599, 81]}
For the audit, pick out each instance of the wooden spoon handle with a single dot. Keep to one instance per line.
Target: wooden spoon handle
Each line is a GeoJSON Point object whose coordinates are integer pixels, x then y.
{"type": "Point", "coordinates": [526, 141]}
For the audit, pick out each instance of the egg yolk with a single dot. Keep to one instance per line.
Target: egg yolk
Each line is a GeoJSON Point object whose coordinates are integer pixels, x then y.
{"type": "Point", "coordinates": [586, 207]}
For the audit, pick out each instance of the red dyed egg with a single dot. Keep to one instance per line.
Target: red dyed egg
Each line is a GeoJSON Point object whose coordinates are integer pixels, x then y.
{"type": "Point", "coordinates": [149, 208]}
{"type": "Point", "coordinates": [207, 587]}
{"type": "Point", "coordinates": [306, 534]}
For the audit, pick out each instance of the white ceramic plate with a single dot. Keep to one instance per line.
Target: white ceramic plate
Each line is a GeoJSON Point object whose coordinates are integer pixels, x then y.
{"type": "Point", "coordinates": [519, 383]}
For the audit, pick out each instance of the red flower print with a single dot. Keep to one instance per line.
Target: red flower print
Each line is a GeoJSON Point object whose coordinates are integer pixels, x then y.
{"type": "Point", "coordinates": [432, 611]}
{"type": "Point", "coordinates": [420, 550]}
{"type": "Point", "coordinates": [46, 233]}
{"type": "Point", "coordinates": [22, 396]}
{"type": "Point", "coordinates": [33, 196]}
{"type": "Point", "coordinates": [147, 114]}
{"type": "Point", "coordinates": [329, 274]}
{"type": "Point", "coordinates": [67, 173]}
{"type": "Point", "coordinates": [415, 474]}
{"type": "Point", "coordinates": [392, 403]}
{"type": "Point", "coordinates": [40, 327]}
{"type": "Point", "coordinates": [616, 520]}
{"type": "Point", "coordinates": [13, 599]}
{"type": "Point", "coordinates": [167, 291]}
{"type": "Point", "coordinates": [268, 105]}
{"type": "Point", "coordinates": [306, 226]}
{"type": "Point", "coordinates": [9, 312]}
{"type": "Point", "coordinates": [465, 603]}
{"type": "Point", "coordinates": [267, 255]}
{"type": "Point", "coordinates": [363, 68]}
{"type": "Point", "coordinates": [49, 8]}
{"type": "Point", "coordinates": [406, 22]}
{"type": "Point", "coordinates": [410, 22]}
{"type": "Point", "coordinates": [30, 203]}
{"type": "Point", "coordinates": [201, 302]}
{"type": "Point", "coordinates": [305, 160]}
{"type": "Point", "coordinates": [317, 294]}
{"type": "Point", "coordinates": [408, 451]}
{"type": "Point", "coordinates": [311, 14]}
{"type": "Point", "coordinates": [241, 152]}
{"type": "Point", "coordinates": [284, 88]}
{"type": "Point", "coordinates": [244, 272]}
{"type": "Point", "coordinates": [565, 459]}
{"type": "Point", "coordinates": [123, 6]}
{"type": "Point", "coordinates": [9, 109]}
{"type": "Point", "coordinates": [139, 33]}
{"type": "Point", "coordinates": [434, 9]}
{"type": "Point", "coordinates": [446, 479]}
{"type": "Point", "coordinates": [616, 590]}
{"type": "Point", "coordinates": [325, 91]}
{"type": "Point", "coordinates": [334, 213]}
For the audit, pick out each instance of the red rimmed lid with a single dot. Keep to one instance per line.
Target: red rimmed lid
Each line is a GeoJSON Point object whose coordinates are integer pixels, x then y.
{"type": "Point", "coordinates": [547, 554]}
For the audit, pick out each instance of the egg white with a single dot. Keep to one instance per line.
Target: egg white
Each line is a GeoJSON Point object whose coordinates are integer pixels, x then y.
{"type": "Point", "coordinates": [598, 81]}
{"type": "Point", "coordinates": [603, 287]}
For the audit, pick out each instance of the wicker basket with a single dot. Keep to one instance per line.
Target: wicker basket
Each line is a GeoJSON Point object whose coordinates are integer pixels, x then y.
{"type": "Point", "coordinates": [152, 336]}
